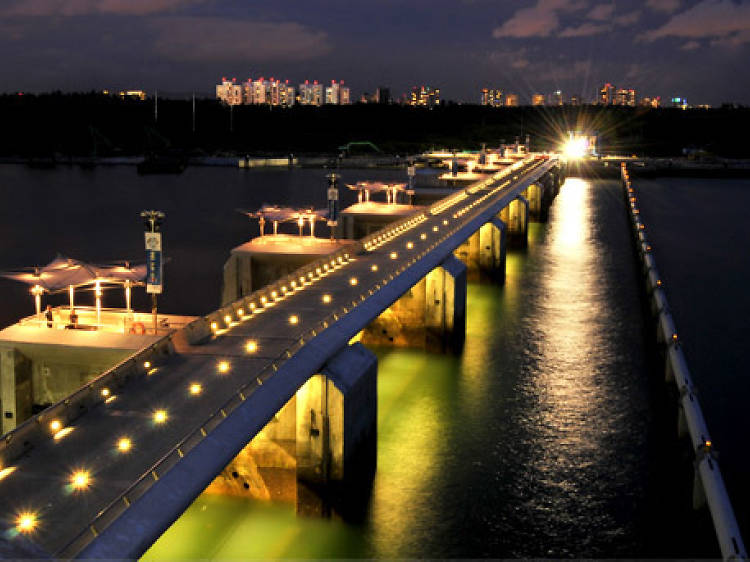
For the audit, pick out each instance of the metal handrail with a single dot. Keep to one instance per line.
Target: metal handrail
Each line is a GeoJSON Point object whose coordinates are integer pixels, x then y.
{"type": "Point", "coordinates": [706, 461]}
{"type": "Point", "coordinates": [124, 499]}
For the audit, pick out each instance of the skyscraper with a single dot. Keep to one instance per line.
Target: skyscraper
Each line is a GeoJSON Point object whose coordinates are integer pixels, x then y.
{"type": "Point", "coordinates": [511, 100]}
{"type": "Point", "coordinates": [537, 99]}
{"type": "Point", "coordinates": [229, 92]}
{"type": "Point", "coordinates": [424, 96]}
{"type": "Point", "coordinates": [556, 98]}
{"type": "Point", "coordinates": [492, 98]}
{"type": "Point", "coordinates": [607, 94]}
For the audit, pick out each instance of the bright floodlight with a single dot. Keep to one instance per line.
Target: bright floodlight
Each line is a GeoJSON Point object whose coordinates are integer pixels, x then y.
{"type": "Point", "coordinates": [575, 148]}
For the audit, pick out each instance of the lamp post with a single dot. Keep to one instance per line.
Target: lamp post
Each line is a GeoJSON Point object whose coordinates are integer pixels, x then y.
{"type": "Point", "coordinates": [333, 201]}
{"type": "Point", "coordinates": [154, 280]}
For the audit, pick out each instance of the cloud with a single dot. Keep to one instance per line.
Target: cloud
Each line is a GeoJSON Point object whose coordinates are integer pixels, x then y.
{"type": "Point", "coordinates": [85, 7]}
{"type": "Point", "coordinates": [601, 12]}
{"type": "Point", "coordinates": [514, 59]}
{"type": "Point", "coordinates": [667, 6]}
{"type": "Point", "coordinates": [628, 19]}
{"type": "Point", "coordinates": [539, 20]}
{"type": "Point", "coordinates": [721, 20]}
{"type": "Point", "coordinates": [585, 29]}
{"type": "Point", "coordinates": [690, 46]}
{"type": "Point", "coordinates": [201, 39]}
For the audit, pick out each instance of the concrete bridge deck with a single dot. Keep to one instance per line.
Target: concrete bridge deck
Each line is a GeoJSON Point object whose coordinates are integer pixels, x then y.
{"type": "Point", "coordinates": [152, 436]}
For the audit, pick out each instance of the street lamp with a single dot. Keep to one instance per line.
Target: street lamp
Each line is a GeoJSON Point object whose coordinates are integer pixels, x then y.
{"type": "Point", "coordinates": [152, 221]}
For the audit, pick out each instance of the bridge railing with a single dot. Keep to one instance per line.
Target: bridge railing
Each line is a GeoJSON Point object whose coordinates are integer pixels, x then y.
{"type": "Point", "coordinates": [707, 473]}
{"type": "Point", "coordinates": [93, 393]}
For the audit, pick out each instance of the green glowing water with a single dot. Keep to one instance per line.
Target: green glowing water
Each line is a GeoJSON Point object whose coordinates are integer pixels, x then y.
{"type": "Point", "coordinates": [418, 394]}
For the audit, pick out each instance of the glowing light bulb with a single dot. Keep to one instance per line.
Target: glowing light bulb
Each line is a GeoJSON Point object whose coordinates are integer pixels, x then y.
{"type": "Point", "coordinates": [124, 444]}
{"type": "Point", "coordinates": [80, 480]}
{"type": "Point", "coordinates": [160, 416]}
{"type": "Point", "coordinates": [294, 319]}
{"type": "Point", "coordinates": [251, 346]}
{"type": "Point", "coordinates": [223, 366]}
{"type": "Point", "coordinates": [326, 299]}
{"type": "Point", "coordinates": [195, 388]}
{"type": "Point", "coordinates": [55, 425]}
{"type": "Point", "coordinates": [26, 522]}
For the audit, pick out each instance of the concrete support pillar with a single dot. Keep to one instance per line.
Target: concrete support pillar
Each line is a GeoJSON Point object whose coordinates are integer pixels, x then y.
{"type": "Point", "coordinates": [325, 433]}
{"type": "Point", "coordinates": [431, 315]}
{"type": "Point", "coordinates": [492, 249]}
{"type": "Point", "coordinates": [533, 194]}
{"type": "Point", "coordinates": [337, 417]}
{"type": "Point", "coordinates": [469, 254]}
{"type": "Point", "coordinates": [516, 217]}
{"type": "Point", "coordinates": [238, 278]}
{"type": "Point", "coordinates": [15, 388]}
{"type": "Point", "coordinates": [445, 306]}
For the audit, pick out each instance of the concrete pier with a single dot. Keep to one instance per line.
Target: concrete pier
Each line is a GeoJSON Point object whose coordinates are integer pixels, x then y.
{"type": "Point", "coordinates": [41, 365]}
{"type": "Point", "coordinates": [362, 219]}
{"type": "Point", "coordinates": [264, 259]}
{"type": "Point", "coordinates": [325, 433]}
{"type": "Point", "coordinates": [431, 315]}
{"type": "Point", "coordinates": [516, 217]}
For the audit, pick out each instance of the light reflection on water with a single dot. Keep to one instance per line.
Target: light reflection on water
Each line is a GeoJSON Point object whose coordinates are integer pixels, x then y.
{"type": "Point", "coordinates": [527, 444]}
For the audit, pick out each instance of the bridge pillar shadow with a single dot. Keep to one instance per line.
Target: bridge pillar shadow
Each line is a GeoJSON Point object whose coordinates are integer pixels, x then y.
{"type": "Point", "coordinates": [516, 216]}
{"type": "Point", "coordinates": [430, 315]}
{"type": "Point", "coordinates": [322, 442]}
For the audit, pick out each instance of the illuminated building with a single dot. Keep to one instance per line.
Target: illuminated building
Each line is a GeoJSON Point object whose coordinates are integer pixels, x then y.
{"type": "Point", "coordinates": [607, 94]}
{"type": "Point", "coordinates": [680, 103]}
{"type": "Point", "coordinates": [556, 98]}
{"type": "Point", "coordinates": [337, 94]}
{"type": "Point", "coordinates": [575, 100]}
{"type": "Point", "coordinates": [492, 98]}
{"type": "Point", "coordinates": [310, 94]}
{"type": "Point", "coordinates": [229, 92]}
{"type": "Point", "coordinates": [625, 96]}
{"type": "Point", "coordinates": [134, 94]}
{"type": "Point", "coordinates": [424, 96]}
{"type": "Point", "coordinates": [511, 100]}
{"type": "Point", "coordinates": [651, 102]}
{"type": "Point", "coordinates": [537, 99]}
{"type": "Point", "coordinates": [267, 92]}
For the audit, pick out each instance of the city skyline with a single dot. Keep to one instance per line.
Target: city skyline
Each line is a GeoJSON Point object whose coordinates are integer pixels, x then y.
{"type": "Point", "coordinates": [692, 49]}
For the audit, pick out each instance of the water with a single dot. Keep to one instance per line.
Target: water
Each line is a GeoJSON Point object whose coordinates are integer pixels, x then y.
{"type": "Point", "coordinates": [549, 436]}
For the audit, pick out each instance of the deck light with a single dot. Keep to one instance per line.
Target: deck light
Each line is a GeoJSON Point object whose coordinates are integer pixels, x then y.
{"type": "Point", "coordinates": [223, 366]}
{"type": "Point", "coordinates": [445, 222]}
{"type": "Point", "coordinates": [105, 392]}
{"type": "Point", "coordinates": [353, 281]}
{"type": "Point", "coordinates": [274, 295]}
{"type": "Point", "coordinates": [26, 522]}
{"type": "Point", "coordinates": [409, 245]}
{"type": "Point", "coordinates": [294, 319]}
{"type": "Point", "coordinates": [374, 267]}
{"type": "Point", "coordinates": [195, 388]}
{"type": "Point", "coordinates": [423, 236]}
{"type": "Point", "coordinates": [55, 426]}
{"type": "Point", "coordinates": [160, 416]}
{"type": "Point", "coordinates": [124, 444]}
{"type": "Point", "coordinates": [227, 319]}
{"type": "Point", "coordinates": [80, 480]}
{"type": "Point", "coordinates": [240, 312]}
{"type": "Point", "coordinates": [214, 326]}
{"type": "Point", "coordinates": [263, 300]}
{"type": "Point", "coordinates": [147, 365]}
{"type": "Point", "coordinates": [251, 346]}
{"type": "Point", "coordinates": [394, 255]}
{"type": "Point", "coordinates": [326, 299]}
{"type": "Point", "coordinates": [435, 229]}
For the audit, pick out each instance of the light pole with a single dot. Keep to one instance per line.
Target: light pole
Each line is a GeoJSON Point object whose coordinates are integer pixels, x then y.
{"type": "Point", "coordinates": [154, 279]}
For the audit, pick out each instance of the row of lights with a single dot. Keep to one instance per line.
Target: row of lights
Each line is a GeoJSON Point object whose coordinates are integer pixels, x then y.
{"type": "Point", "coordinates": [80, 479]}
{"type": "Point", "coordinates": [393, 232]}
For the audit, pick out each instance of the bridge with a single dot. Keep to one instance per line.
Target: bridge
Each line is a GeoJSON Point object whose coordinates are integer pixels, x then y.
{"type": "Point", "coordinates": [104, 472]}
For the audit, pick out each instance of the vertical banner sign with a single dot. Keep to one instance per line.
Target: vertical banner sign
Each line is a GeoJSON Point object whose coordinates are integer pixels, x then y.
{"type": "Point", "coordinates": [333, 204]}
{"type": "Point", "coordinates": [154, 280]}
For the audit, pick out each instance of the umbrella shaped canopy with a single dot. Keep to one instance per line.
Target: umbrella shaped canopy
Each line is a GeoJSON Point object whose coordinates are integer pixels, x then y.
{"type": "Point", "coordinates": [283, 214]}
{"type": "Point", "coordinates": [63, 272]}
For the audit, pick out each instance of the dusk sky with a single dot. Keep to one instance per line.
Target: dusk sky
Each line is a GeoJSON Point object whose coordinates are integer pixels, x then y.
{"type": "Point", "coordinates": [697, 49]}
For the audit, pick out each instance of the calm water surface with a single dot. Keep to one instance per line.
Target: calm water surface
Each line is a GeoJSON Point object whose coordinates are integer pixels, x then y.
{"type": "Point", "coordinates": [546, 437]}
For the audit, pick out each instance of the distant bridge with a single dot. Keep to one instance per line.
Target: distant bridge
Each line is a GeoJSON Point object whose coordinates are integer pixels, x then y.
{"type": "Point", "coordinates": [149, 435]}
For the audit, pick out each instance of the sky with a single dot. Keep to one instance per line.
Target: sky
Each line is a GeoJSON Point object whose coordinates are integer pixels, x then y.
{"type": "Point", "coordinates": [699, 49]}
